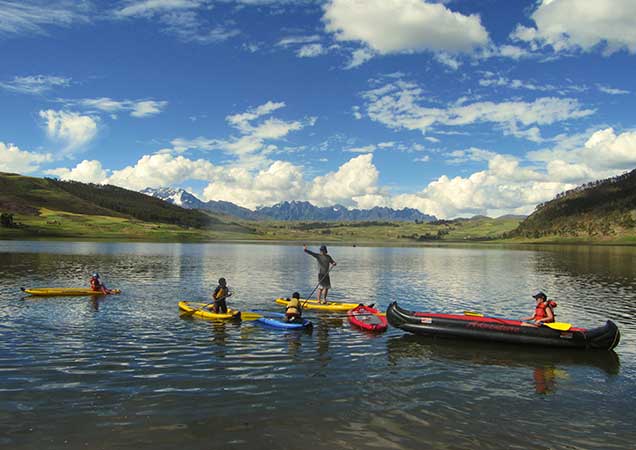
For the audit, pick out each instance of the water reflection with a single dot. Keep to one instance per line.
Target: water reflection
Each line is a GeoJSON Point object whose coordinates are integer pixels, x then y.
{"type": "Point", "coordinates": [547, 367]}
{"type": "Point", "coordinates": [134, 374]}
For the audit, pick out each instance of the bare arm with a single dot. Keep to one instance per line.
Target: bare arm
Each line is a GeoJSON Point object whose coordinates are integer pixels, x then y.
{"type": "Point", "coordinates": [549, 317]}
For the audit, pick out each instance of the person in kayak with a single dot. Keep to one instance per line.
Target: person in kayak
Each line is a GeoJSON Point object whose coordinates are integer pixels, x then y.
{"type": "Point", "coordinates": [294, 311]}
{"type": "Point", "coordinates": [325, 264]}
{"type": "Point", "coordinates": [97, 285]}
{"type": "Point", "coordinates": [220, 294]}
{"type": "Point", "coordinates": [543, 313]}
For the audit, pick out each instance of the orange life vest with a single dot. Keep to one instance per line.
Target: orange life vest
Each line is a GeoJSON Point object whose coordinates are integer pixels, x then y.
{"type": "Point", "coordinates": [540, 310]}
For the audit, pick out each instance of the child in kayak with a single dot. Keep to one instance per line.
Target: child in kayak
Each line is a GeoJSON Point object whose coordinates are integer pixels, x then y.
{"type": "Point", "coordinates": [294, 310]}
{"type": "Point", "coordinates": [544, 311]}
{"type": "Point", "coordinates": [220, 294]}
{"type": "Point", "coordinates": [97, 285]}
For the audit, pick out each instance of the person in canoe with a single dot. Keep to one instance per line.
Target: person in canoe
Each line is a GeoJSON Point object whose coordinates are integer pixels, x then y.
{"type": "Point", "coordinates": [325, 264]}
{"type": "Point", "coordinates": [221, 293]}
{"type": "Point", "coordinates": [543, 313]}
{"type": "Point", "coordinates": [293, 310]}
{"type": "Point", "coordinates": [97, 285]}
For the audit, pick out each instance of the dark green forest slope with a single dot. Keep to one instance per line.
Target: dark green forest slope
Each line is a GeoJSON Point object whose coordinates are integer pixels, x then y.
{"type": "Point", "coordinates": [26, 195]}
{"type": "Point", "coordinates": [604, 209]}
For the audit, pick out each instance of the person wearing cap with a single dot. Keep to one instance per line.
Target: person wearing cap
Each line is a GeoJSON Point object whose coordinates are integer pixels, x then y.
{"type": "Point", "coordinates": [97, 285]}
{"type": "Point", "coordinates": [543, 312]}
{"type": "Point", "coordinates": [325, 264]}
{"type": "Point", "coordinates": [221, 293]}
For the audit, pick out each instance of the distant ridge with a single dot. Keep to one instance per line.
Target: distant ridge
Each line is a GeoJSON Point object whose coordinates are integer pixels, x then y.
{"type": "Point", "coordinates": [604, 208]}
{"type": "Point", "coordinates": [298, 210]}
{"type": "Point", "coordinates": [289, 211]}
{"type": "Point", "coordinates": [183, 198]}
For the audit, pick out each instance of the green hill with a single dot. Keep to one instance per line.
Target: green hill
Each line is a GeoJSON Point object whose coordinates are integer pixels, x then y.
{"type": "Point", "coordinates": [601, 210]}
{"type": "Point", "coordinates": [47, 207]}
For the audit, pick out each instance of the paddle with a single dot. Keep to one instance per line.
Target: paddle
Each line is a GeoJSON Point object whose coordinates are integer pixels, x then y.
{"type": "Point", "coordinates": [319, 281]}
{"type": "Point", "coordinates": [194, 310]}
{"type": "Point", "coordinates": [561, 326]}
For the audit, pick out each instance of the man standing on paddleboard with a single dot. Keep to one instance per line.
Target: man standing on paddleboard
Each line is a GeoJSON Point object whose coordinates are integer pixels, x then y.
{"type": "Point", "coordinates": [325, 264]}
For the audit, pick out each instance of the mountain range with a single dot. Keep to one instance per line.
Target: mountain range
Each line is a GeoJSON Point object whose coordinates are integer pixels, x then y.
{"type": "Point", "coordinates": [289, 211]}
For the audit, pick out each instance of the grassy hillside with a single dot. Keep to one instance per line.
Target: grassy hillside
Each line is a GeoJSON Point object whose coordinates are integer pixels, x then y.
{"type": "Point", "coordinates": [46, 208]}
{"type": "Point", "coordinates": [602, 210]}
{"type": "Point", "coordinates": [53, 208]}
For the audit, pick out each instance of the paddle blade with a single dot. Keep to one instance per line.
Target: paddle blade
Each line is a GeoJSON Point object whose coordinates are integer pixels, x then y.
{"type": "Point", "coordinates": [472, 313]}
{"type": "Point", "coordinates": [250, 315]}
{"type": "Point", "coordinates": [561, 326]}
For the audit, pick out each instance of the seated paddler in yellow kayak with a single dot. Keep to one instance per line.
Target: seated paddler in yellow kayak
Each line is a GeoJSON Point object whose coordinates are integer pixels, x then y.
{"type": "Point", "coordinates": [97, 285]}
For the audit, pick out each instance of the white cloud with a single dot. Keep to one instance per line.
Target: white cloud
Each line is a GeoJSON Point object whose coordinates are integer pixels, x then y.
{"type": "Point", "coordinates": [162, 169]}
{"type": "Point", "coordinates": [278, 182]}
{"type": "Point", "coordinates": [310, 51]}
{"type": "Point", "coordinates": [366, 149]}
{"type": "Point", "coordinates": [137, 108]}
{"type": "Point", "coordinates": [184, 18]}
{"type": "Point", "coordinates": [359, 57]}
{"type": "Point", "coordinates": [603, 155]}
{"type": "Point", "coordinates": [350, 185]}
{"type": "Point", "coordinates": [85, 172]}
{"type": "Point", "coordinates": [252, 146]}
{"type": "Point", "coordinates": [393, 26]}
{"type": "Point", "coordinates": [298, 40]}
{"type": "Point", "coordinates": [150, 7]}
{"type": "Point", "coordinates": [582, 24]}
{"type": "Point", "coordinates": [12, 159]}
{"type": "Point", "coordinates": [397, 105]}
{"type": "Point", "coordinates": [611, 91]}
{"type": "Point", "coordinates": [18, 17]}
{"type": "Point", "coordinates": [448, 60]}
{"type": "Point", "coordinates": [504, 187]}
{"type": "Point", "coordinates": [35, 84]}
{"type": "Point", "coordinates": [71, 128]}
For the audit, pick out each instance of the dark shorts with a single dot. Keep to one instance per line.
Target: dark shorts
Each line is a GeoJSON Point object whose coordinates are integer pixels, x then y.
{"type": "Point", "coordinates": [325, 283]}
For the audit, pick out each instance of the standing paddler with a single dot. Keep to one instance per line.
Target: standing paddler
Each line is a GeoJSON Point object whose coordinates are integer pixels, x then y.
{"type": "Point", "coordinates": [325, 263]}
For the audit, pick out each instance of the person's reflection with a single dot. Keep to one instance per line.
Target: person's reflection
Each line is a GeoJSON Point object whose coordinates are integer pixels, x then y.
{"type": "Point", "coordinates": [293, 344]}
{"type": "Point", "coordinates": [220, 338]}
{"type": "Point", "coordinates": [545, 379]}
{"type": "Point", "coordinates": [322, 332]}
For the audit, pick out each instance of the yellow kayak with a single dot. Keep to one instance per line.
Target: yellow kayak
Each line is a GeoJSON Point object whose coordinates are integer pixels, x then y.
{"type": "Point", "coordinates": [194, 309]}
{"type": "Point", "coordinates": [313, 304]}
{"type": "Point", "coordinates": [65, 292]}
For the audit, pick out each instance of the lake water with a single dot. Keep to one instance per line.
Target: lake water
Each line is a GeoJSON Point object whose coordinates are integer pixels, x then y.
{"type": "Point", "coordinates": [126, 372]}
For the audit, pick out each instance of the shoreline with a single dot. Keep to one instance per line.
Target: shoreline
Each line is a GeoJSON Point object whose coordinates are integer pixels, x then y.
{"type": "Point", "coordinates": [338, 243]}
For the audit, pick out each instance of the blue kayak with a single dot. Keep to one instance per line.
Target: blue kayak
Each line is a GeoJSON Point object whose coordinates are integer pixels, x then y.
{"type": "Point", "coordinates": [277, 320]}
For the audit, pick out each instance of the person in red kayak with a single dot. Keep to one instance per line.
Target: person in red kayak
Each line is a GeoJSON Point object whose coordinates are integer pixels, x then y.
{"type": "Point", "coordinates": [97, 285]}
{"type": "Point", "coordinates": [544, 311]}
{"type": "Point", "coordinates": [294, 311]}
{"type": "Point", "coordinates": [325, 264]}
{"type": "Point", "coordinates": [221, 293]}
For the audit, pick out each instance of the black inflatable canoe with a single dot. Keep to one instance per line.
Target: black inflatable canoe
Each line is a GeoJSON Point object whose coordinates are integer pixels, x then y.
{"type": "Point", "coordinates": [501, 330]}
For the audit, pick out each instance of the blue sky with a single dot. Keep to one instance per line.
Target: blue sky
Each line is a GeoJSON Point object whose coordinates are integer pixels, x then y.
{"type": "Point", "coordinates": [453, 107]}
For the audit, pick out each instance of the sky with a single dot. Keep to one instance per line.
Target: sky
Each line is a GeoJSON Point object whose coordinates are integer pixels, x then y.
{"type": "Point", "coordinates": [453, 107]}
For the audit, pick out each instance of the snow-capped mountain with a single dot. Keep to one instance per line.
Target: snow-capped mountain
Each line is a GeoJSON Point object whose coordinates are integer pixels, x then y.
{"type": "Point", "coordinates": [295, 210]}
{"type": "Point", "coordinates": [187, 200]}
{"type": "Point", "coordinates": [306, 211]}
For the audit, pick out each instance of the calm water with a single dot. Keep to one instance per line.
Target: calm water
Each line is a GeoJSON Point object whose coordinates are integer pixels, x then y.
{"type": "Point", "coordinates": [127, 372]}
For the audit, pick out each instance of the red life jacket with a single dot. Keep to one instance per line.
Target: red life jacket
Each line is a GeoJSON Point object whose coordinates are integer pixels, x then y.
{"type": "Point", "coordinates": [95, 284]}
{"type": "Point", "coordinates": [540, 313]}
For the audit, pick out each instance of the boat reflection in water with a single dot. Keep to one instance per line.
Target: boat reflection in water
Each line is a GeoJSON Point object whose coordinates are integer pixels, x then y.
{"type": "Point", "coordinates": [550, 366]}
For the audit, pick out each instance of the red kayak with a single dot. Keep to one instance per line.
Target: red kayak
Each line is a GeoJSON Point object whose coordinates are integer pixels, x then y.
{"type": "Point", "coordinates": [367, 318]}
